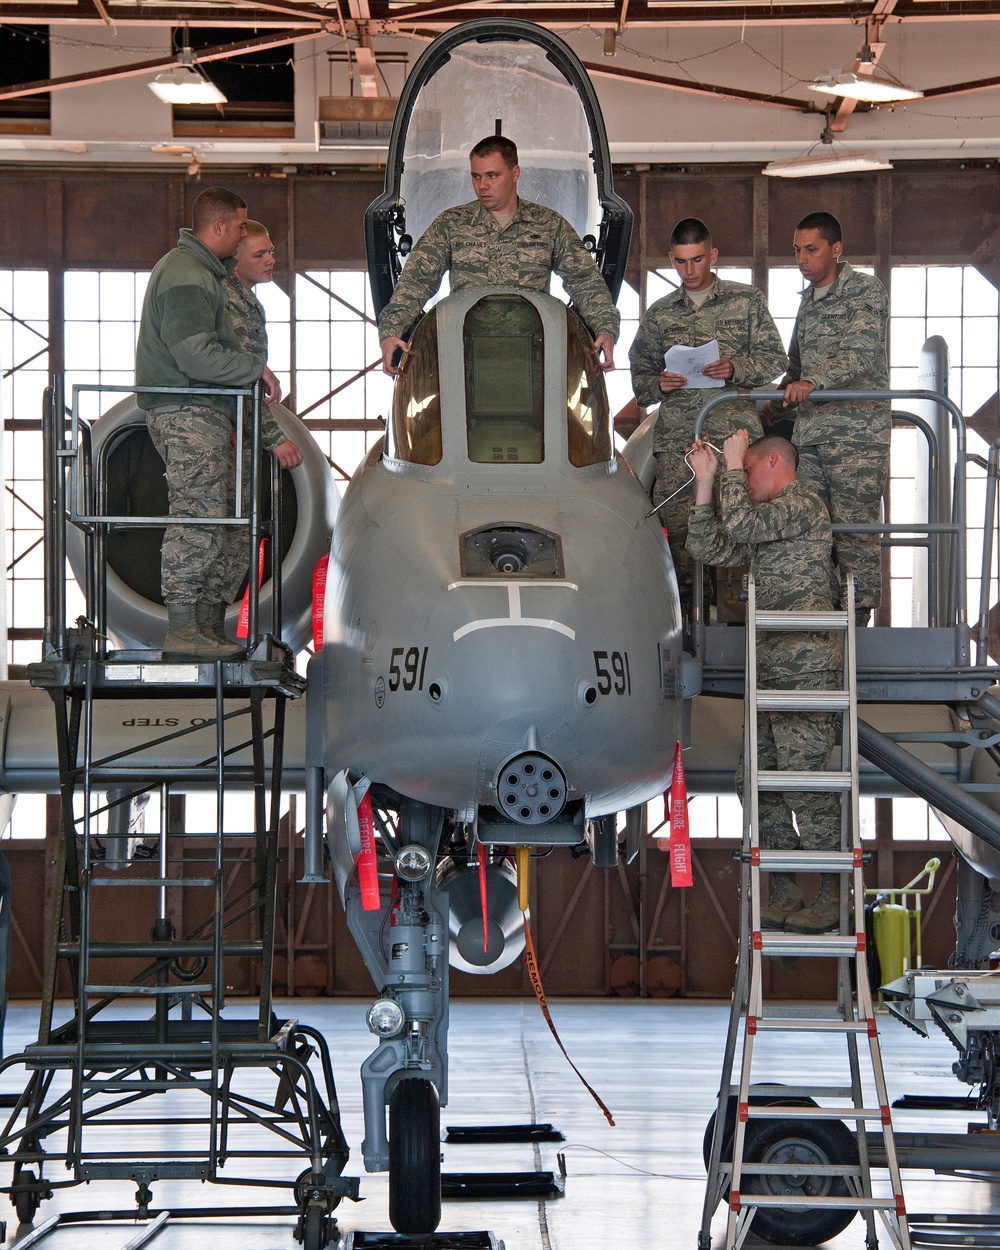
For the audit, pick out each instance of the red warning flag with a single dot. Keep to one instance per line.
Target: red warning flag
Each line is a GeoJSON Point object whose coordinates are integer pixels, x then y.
{"type": "Point", "coordinates": [680, 838]}
{"type": "Point", "coordinates": [319, 601]}
{"type": "Point", "coordinates": [482, 853]}
{"type": "Point", "coordinates": [367, 862]}
{"type": "Point", "coordinates": [243, 624]}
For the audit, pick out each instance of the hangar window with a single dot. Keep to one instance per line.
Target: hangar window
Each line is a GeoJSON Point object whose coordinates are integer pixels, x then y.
{"type": "Point", "coordinates": [415, 430]}
{"type": "Point", "coordinates": [339, 388]}
{"type": "Point", "coordinates": [503, 381]}
{"type": "Point", "coordinates": [589, 420]}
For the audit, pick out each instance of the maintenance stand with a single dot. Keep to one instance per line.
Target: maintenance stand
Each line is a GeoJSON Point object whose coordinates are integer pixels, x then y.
{"type": "Point", "coordinates": [265, 1112]}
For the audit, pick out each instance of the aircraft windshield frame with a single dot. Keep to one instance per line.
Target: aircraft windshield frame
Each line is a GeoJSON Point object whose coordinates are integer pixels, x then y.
{"type": "Point", "coordinates": [588, 411]}
{"type": "Point", "coordinates": [504, 352]}
{"type": "Point", "coordinates": [413, 433]}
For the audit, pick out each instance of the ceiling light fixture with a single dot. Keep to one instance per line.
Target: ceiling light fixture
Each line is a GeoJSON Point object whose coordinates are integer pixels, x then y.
{"type": "Point", "coordinates": [815, 165]}
{"type": "Point", "coordinates": [866, 84]}
{"type": "Point", "coordinates": [186, 84]}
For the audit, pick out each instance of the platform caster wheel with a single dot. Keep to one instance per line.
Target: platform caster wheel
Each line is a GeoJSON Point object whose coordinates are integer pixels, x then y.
{"type": "Point", "coordinates": [26, 1202]}
{"type": "Point", "coordinates": [414, 1156]}
{"type": "Point", "coordinates": [315, 1228]}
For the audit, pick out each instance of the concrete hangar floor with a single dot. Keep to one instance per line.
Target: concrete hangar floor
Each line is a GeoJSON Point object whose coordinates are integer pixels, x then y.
{"type": "Point", "coordinates": [638, 1185]}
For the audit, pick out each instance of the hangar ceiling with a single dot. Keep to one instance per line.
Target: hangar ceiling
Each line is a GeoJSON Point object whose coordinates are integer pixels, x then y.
{"type": "Point", "coordinates": [358, 22]}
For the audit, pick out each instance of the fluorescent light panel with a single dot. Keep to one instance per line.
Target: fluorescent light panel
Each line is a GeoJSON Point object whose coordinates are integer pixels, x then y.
{"type": "Point", "coordinates": [184, 85]}
{"type": "Point", "coordinates": [814, 166]}
{"type": "Point", "coordinates": [864, 87]}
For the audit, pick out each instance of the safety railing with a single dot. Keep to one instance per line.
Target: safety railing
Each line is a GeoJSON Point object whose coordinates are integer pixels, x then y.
{"type": "Point", "coordinates": [944, 540]}
{"type": "Point", "coordinates": [75, 487]}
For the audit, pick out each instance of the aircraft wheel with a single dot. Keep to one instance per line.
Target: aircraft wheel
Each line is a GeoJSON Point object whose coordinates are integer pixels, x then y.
{"type": "Point", "coordinates": [798, 1142]}
{"type": "Point", "coordinates": [756, 1100]}
{"type": "Point", "coordinates": [26, 1201]}
{"type": "Point", "coordinates": [414, 1156]}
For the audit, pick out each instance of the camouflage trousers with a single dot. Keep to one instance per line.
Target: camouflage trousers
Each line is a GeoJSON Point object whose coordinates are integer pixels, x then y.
{"type": "Point", "coordinates": [796, 741]}
{"type": "Point", "coordinates": [199, 563]}
{"type": "Point", "coordinates": [851, 480]}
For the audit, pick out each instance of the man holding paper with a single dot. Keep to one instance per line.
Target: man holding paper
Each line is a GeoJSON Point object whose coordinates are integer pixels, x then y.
{"type": "Point", "coordinates": [707, 333]}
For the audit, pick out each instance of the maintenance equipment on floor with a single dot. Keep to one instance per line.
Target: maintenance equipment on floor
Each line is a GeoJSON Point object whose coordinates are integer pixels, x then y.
{"type": "Point", "coordinates": [785, 1164]}
{"type": "Point", "coordinates": [105, 1068]}
{"type": "Point", "coordinates": [893, 919]}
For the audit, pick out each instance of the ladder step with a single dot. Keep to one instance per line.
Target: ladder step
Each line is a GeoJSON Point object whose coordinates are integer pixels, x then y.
{"type": "Point", "coordinates": [846, 1202]}
{"type": "Point", "coordinates": [794, 1091]}
{"type": "Point", "coordinates": [822, 944]}
{"type": "Point", "coordinates": [803, 700]}
{"type": "Point", "coordinates": [801, 620]}
{"type": "Point", "coordinates": [801, 1169]}
{"type": "Point", "coordinates": [772, 1112]}
{"type": "Point", "coordinates": [148, 991]}
{"type": "Point", "coordinates": [156, 881]}
{"type": "Point", "coordinates": [808, 861]}
{"type": "Point", "coordinates": [790, 779]}
{"type": "Point", "coordinates": [786, 1024]}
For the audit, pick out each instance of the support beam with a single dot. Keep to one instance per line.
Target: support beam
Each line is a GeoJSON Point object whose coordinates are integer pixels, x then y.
{"type": "Point", "coordinates": [220, 53]}
{"type": "Point", "coordinates": [640, 77]}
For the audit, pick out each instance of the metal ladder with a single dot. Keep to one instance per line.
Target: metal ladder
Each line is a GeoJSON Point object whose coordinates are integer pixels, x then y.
{"type": "Point", "coordinates": [774, 1148]}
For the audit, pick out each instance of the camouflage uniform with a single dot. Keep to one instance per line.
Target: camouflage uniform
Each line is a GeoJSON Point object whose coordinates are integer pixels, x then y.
{"type": "Point", "coordinates": [247, 316]}
{"type": "Point", "coordinates": [787, 542]}
{"type": "Point", "coordinates": [736, 315]}
{"type": "Point", "coordinates": [187, 339]}
{"type": "Point", "coordinates": [839, 343]}
{"type": "Point", "coordinates": [467, 242]}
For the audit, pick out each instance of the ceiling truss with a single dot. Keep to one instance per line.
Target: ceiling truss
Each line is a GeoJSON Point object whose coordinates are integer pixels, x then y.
{"type": "Point", "coordinates": [357, 22]}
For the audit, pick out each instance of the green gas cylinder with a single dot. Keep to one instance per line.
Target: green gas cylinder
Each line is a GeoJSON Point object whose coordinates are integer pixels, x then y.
{"type": "Point", "coordinates": [892, 939]}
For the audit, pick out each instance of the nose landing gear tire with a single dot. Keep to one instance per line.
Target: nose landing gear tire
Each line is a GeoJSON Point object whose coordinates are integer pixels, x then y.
{"type": "Point", "coordinates": [794, 1142]}
{"type": "Point", "coordinates": [414, 1156]}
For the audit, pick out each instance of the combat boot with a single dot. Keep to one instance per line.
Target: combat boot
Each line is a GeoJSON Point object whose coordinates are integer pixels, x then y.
{"type": "Point", "coordinates": [823, 913]}
{"type": "Point", "coordinates": [786, 900]}
{"type": "Point", "coordinates": [211, 618]}
{"type": "Point", "coordinates": [184, 641]}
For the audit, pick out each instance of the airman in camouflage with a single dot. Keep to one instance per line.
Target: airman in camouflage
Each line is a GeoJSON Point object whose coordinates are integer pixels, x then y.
{"type": "Point", "coordinates": [839, 343]}
{"type": "Point", "coordinates": [703, 308]}
{"type": "Point", "coordinates": [765, 517]}
{"type": "Point", "coordinates": [186, 340]}
{"type": "Point", "coordinates": [498, 240]}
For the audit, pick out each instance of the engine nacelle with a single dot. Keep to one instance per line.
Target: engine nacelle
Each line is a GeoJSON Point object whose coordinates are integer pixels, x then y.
{"type": "Point", "coordinates": [137, 487]}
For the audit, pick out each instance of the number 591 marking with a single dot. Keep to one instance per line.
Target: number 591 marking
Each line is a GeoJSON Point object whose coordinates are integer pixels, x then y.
{"type": "Point", "coordinates": [613, 672]}
{"type": "Point", "coordinates": [412, 672]}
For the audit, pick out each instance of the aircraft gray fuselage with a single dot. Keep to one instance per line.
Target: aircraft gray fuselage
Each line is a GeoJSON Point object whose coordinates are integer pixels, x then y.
{"type": "Point", "coordinates": [481, 610]}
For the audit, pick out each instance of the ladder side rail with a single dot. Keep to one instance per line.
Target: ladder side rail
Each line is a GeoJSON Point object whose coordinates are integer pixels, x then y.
{"type": "Point", "coordinates": [218, 907]}
{"type": "Point", "coordinates": [991, 521]}
{"type": "Point", "coordinates": [83, 884]}
{"type": "Point", "coordinates": [270, 902]}
{"type": "Point", "coordinates": [276, 546]}
{"type": "Point", "coordinates": [54, 632]}
{"type": "Point", "coordinates": [934, 536]}
{"type": "Point", "coordinates": [256, 520]}
{"type": "Point", "coordinates": [749, 949]}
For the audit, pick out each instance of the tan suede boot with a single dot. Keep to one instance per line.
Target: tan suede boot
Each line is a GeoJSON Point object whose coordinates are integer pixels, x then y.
{"type": "Point", "coordinates": [786, 899]}
{"type": "Point", "coordinates": [211, 618]}
{"type": "Point", "coordinates": [185, 642]}
{"type": "Point", "coordinates": [823, 913]}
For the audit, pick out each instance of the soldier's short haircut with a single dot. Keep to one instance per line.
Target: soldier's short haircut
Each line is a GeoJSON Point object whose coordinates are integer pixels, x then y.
{"type": "Point", "coordinates": [825, 223]}
{"type": "Point", "coordinates": [496, 145]}
{"type": "Point", "coordinates": [788, 452]}
{"type": "Point", "coordinates": [215, 204]}
{"type": "Point", "coordinates": [255, 230]}
{"type": "Point", "coordinates": [689, 231]}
